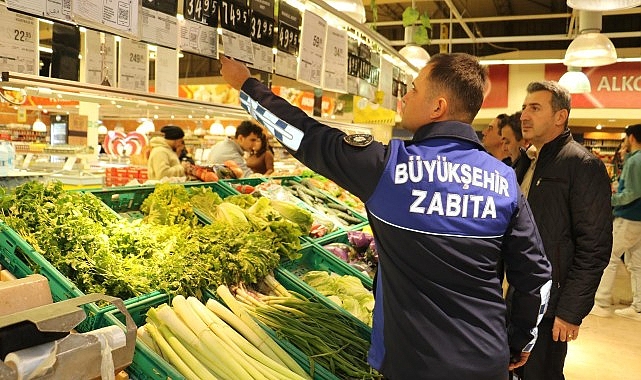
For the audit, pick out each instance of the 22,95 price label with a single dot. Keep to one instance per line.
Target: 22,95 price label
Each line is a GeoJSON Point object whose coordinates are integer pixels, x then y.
{"type": "Point", "coordinates": [262, 29]}
{"type": "Point", "coordinates": [235, 17]}
{"type": "Point", "coordinates": [18, 42]}
{"type": "Point", "coordinates": [288, 38]}
{"type": "Point", "coordinates": [202, 11]}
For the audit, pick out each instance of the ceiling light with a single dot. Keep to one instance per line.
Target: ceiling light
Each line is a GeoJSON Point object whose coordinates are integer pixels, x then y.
{"type": "Point", "coordinates": [352, 8]}
{"type": "Point", "coordinates": [39, 125]}
{"type": "Point", "coordinates": [590, 48]}
{"type": "Point", "coordinates": [230, 131]}
{"type": "Point", "coordinates": [415, 54]}
{"type": "Point", "coordinates": [575, 81]}
{"type": "Point", "coordinates": [599, 127]}
{"type": "Point", "coordinates": [216, 129]}
{"type": "Point", "coordinates": [147, 126]}
{"type": "Point", "coordinates": [603, 5]}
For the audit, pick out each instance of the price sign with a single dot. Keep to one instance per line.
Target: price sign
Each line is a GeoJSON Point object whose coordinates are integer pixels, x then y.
{"type": "Point", "coordinates": [167, 69]}
{"type": "Point", "coordinates": [133, 65]}
{"type": "Point", "coordinates": [99, 63]}
{"type": "Point", "coordinates": [335, 73]}
{"type": "Point", "coordinates": [235, 16]}
{"type": "Point", "coordinates": [353, 61]}
{"type": "Point", "coordinates": [198, 38]}
{"type": "Point", "coordinates": [51, 9]}
{"type": "Point", "coordinates": [286, 65]}
{"type": "Point", "coordinates": [312, 49]}
{"type": "Point", "coordinates": [385, 84]}
{"type": "Point", "coordinates": [364, 55]}
{"type": "Point", "coordinates": [158, 27]}
{"type": "Point", "coordinates": [18, 42]}
{"type": "Point", "coordinates": [202, 11]}
{"type": "Point", "coordinates": [289, 22]}
{"type": "Point", "coordinates": [262, 29]}
{"type": "Point", "coordinates": [119, 16]}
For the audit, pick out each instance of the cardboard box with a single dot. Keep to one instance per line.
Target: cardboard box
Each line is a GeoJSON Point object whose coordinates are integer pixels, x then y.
{"type": "Point", "coordinates": [24, 293]}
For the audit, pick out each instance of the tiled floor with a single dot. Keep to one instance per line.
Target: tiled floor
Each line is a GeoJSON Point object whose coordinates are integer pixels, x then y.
{"type": "Point", "coordinates": [607, 349]}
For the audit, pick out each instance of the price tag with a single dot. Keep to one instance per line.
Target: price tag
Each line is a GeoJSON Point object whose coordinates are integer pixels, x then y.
{"type": "Point", "coordinates": [238, 46]}
{"type": "Point", "coordinates": [286, 65]}
{"type": "Point", "coordinates": [167, 69]}
{"type": "Point", "coordinates": [235, 16]}
{"type": "Point", "coordinates": [68, 166]}
{"type": "Point", "coordinates": [18, 42]}
{"type": "Point", "coordinates": [134, 65]}
{"type": "Point", "coordinates": [312, 49]}
{"type": "Point", "coordinates": [202, 11]}
{"type": "Point", "coordinates": [385, 84]}
{"type": "Point", "coordinates": [353, 61]}
{"type": "Point", "coordinates": [289, 22]}
{"type": "Point", "coordinates": [119, 16]}
{"type": "Point", "coordinates": [27, 160]}
{"type": "Point", "coordinates": [198, 38]}
{"type": "Point", "coordinates": [99, 63]}
{"type": "Point", "coordinates": [50, 9]}
{"type": "Point", "coordinates": [335, 72]}
{"type": "Point", "coordinates": [159, 28]}
{"type": "Point", "coordinates": [262, 22]}
{"type": "Point", "coordinates": [263, 58]}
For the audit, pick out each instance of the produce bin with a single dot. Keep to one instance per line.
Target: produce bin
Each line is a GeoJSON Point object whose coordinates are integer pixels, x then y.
{"type": "Point", "coordinates": [341, 237]}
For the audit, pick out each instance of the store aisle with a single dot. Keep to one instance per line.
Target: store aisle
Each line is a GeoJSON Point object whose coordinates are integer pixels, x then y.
{"type": "Point", "coordinates": [607, 349]}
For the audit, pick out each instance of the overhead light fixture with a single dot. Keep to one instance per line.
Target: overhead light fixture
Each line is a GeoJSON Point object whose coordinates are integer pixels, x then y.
{"type": "Point", "coordinates": [603, 5]}
{"type": "Point", "coordinates": [146, 126]}
{"type": "Point", "coordinates": [352, 8]}
{"type": "Point", "coordinates": [230, 130]}
{"type": "Point", "coordinates": [590, 48]}
{"type": "Point", "coordinates": [575, 81]}
{"type": "Point", "coordinates": [415, 54]}
{"type": "Point", "coordinates": [39, 125]}
{"type": "Point", "coordinates": [216, 129]}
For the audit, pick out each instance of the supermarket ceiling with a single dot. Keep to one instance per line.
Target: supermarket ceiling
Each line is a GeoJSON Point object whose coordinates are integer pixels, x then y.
{"type": "Point", "coordinates": [490, 27]}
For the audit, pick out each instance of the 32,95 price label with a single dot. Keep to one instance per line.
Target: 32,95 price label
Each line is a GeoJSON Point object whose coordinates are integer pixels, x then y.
{"type": "Point", "coordinates": [202, 11]}
{"type": "Point", "coordinates": [235, 17]}
{"type": "Point", "coordinates": [262, 29]}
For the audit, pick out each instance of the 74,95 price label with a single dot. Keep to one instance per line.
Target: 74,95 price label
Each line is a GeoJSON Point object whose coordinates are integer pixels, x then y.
{"type": "Point", "coordinates": [262, 29]}
{"type": "Point", "coordinates": [235, 17]}
{"type": "Point", "coordinates": [288, 38]}
{"type": "Point", "coordinates": [202, 11]}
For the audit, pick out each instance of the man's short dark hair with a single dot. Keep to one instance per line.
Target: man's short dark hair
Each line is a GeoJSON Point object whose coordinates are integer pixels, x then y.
{"type": "Point", "coordinates": [246, 128]}
{"type": "Point", "coordinates": [634, 130]}
{"type": "Point", "coordinates": [561, 98]}
{"type": "Point", "coordinates": [514, 122]}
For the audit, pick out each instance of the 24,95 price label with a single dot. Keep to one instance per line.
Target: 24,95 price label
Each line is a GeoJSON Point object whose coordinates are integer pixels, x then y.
{"type": "Point", "coordinates": [202, 11]}
{"type": "Point", "coordinates": [262, 29]}
{"type": "Point", "coordinates": [235, 17]}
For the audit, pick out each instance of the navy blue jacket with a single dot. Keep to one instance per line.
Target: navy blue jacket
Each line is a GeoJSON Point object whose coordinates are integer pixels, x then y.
{"type": "Point", "coordinates": [443, 212]}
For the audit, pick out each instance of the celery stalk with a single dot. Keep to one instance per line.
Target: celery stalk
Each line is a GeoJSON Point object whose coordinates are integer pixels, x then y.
{"type": "Point", "coordinates": [170, 354]}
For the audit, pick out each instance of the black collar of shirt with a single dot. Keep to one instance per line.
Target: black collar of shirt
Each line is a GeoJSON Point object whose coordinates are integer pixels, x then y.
{"type": "Point", "coordinates": [448, 129]}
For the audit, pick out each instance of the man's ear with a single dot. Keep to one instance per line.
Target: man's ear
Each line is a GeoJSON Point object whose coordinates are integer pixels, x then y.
{"type": "Point", "coordinates": [561, 117]}
{"type": "Point", "coordinates": [439, 108]}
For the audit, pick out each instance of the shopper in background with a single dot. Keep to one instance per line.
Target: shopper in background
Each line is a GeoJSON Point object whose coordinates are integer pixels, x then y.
{"type": "Point", "coordinates": [439, 229]}
{"type": "Point", "coordinates": [568, 190]}
{"type": "Point", "coordinates": [492, 139]}
{"type": "Point", "coordinates": [626, 233]}
{"type": "Point", "coordinates": [514, 145]}
{"type": "Point", "coordinates": [261, 158]}
{"type": "Point", "coordinates": [163, 159]}
{"type": "Point", "coordinates": [247, 135]}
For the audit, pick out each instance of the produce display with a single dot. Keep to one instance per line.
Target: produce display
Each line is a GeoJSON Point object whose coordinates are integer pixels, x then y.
{"type": "Point", "coordinates": [334, 190]}
{"type": "Point", "coordinates": [346, 291]}
{"type": "Point", "coordinates": [359, 251]}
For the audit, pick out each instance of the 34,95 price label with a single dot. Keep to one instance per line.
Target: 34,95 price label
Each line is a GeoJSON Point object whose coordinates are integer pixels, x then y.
{"type": "Point", "coordinates": [18, 42]}
{"type": "Point", "coordinates": [202, 11]}
{"type": "Point", "coordinates": [235, 16]}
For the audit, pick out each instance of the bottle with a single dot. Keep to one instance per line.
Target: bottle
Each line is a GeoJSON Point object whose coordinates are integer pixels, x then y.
{"type": "Point", "coordinates": [4, 158]}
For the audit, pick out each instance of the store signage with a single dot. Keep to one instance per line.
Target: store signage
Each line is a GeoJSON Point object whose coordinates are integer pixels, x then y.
{"type": "Point", "coordinates": [613, 86]}
{"type": "Point", "coordinates": [18, 42]}
{"type": "Point", "coordinates": [335, 71]}
{"type": "Point", "coordinates": [312, 48]}
{"type": "Point", "coordinates": [385, 84]}
{"type": "Point", "coordinates": [55, 10]}
{"type": "Point", "coordinates": [117, 16]}
{"type": "Point", "coordinates": [200, 11]}
{"type": "Point", "coordinates": [166, 71]}
{"type": "Point", "coordinates": [289, 22]}
{"type": "Point", "coordinates": [158, 24]}
{"type": "Point", "coordinates": [235, 20]}
{"type": "Point", "coordinates": [133, 69]}
{"type": "Point", "coordinates": [262, 35]}
{"type": "Point", "coordinates": [353, 61]}
{"type": "Point", "coordinates": [100, 63]}
{"type": "Point", "coordinates": [199, 37]}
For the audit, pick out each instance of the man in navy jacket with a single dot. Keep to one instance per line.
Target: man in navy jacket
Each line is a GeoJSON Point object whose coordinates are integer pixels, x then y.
{"type": "Point", "coordinates": [443, 212]}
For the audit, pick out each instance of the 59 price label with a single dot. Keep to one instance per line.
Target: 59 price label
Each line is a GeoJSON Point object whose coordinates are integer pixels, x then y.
{"type": "Point", "coordinates": [288, 38]}
{"type": "Point", "coordinates": [202, 11]}
{"type": "Point", "coordinates": [262, 29]}
{"type": "Point", "coordinates": [235, 16]}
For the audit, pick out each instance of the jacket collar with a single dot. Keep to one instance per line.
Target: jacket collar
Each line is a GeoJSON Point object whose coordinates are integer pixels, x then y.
{"type": "Point", "coordinates": [558, 142]}
{"type": "Point", "coordinates": [448, 129]}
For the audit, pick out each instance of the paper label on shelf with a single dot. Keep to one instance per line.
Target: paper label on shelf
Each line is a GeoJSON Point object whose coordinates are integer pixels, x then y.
{"type": "Point", "coordinates": [198, 38]}
{"type": "Point", "coordinates": [335, 72]}
{"type": "Point", "coordinates": [51, 9]}
{"type": "Point", "coordinates": [312, 48]}
{"type": "Point", "coordinates": [134, 65]}
{"type": "Point", "coordinates": [386, 83]}
{"type": "Point", "coordinates": [286, 65]}
{"type": "Point", "coordinates": [167, 69]}
{"type": "Point", "coordinates": [100, 62]}
{"type": "Point", "coordinates": [159, 28]}
{"type": "Point", "coordinates": [263, 58]}
{"type": "Point", "coordinates": [18, 42]}
{"type": "Point", "coordinates": [237, 46]}
{"type": "Point", "coordinates": [121, 16]}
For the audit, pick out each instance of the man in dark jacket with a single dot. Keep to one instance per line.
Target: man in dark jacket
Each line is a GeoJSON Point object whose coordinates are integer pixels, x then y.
{"type": "Point", "coordinates": [443, 212]}
{"type": "Point", "coordinates": [568, 189]}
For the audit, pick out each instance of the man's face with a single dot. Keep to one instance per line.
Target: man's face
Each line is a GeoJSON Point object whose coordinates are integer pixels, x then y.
{"type": "Point", "coordinates": [510, 145]}
{"type": "Point", "coordinates": [248, 142]}
{"type": "Point", "coordinates": [416, 102]}
{"type": "Point", "coordinates": [539, 122]}
{"type": "Point", "coordinates": [491, 138]}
